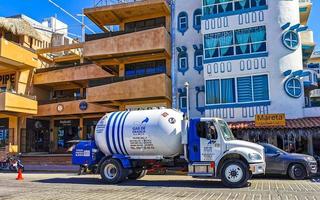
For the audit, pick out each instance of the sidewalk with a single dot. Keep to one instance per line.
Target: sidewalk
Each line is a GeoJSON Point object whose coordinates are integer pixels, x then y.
{"type": "Point", "coordinates": [51, 168]}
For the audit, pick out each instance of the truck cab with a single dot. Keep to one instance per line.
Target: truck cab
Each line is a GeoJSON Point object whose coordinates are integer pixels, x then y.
{"type": "Point", "coordinates": [213, 151]}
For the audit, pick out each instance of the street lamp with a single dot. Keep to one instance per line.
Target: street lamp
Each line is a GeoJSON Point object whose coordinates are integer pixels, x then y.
{"type": "Point", "coordinates": [83, 27]}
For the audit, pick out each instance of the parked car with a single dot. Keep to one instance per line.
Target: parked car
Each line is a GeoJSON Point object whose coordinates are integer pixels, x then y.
{"type": "Point", "coordinates": [296, 166]}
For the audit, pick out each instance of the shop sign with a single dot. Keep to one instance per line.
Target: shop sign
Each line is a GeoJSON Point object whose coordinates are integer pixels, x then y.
{"type": "Point", "coordinates": [83, 105]}
{"type": "Point", "coordinates": [270, 120]}
{"type": "Point", "coordinates": [60, 108]}
{"type": "Point", "coordinates": [5, 78]}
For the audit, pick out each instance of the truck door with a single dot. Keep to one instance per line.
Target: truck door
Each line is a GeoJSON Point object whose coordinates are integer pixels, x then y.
{"type": "Point", "coordinates": [204, 142]}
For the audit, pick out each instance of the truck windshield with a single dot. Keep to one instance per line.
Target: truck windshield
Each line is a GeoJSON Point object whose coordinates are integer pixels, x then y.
{"type": "Point", "coordinates": [226, 132]}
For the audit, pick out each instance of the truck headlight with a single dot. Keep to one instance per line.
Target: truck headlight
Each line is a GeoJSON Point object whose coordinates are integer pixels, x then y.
{"type": "Point", "coordinates": [255, 156]}
{"type": "Point", "coordinates": [311, 159]}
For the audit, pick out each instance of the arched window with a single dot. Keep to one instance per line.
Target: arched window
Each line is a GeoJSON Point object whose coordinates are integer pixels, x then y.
{"type": "Point", "coordinates": [293, 87]}
{"type": "Point", "coordinates": [183, 22]}
{"type": "Point", "coordinates": [290, 40]}
{"type": "Point", "coordinates": [197, 19]}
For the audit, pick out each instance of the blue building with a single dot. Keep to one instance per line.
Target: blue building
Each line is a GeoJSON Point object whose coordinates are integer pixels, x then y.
{"type": "Point", "coordinates": [255, 55]}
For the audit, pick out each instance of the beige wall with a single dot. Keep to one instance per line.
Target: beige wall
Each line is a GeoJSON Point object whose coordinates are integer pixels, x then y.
{"type": "Point", "coordinates": [156, 86]}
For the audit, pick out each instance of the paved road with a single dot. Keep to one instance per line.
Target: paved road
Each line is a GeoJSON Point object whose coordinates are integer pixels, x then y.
{"type": "Point", "coordinates": [70, 186]}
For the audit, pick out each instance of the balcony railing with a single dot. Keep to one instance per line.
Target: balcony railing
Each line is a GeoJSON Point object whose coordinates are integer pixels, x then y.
{"type": "Point", "coordinates": [111, 80]}
{"type": "Point", "coordinates": [99, 3]}
{"type": "Point", "coordinates": [117, 33]}
{"type": "Point", "coordinates": [305, 1]}
{"type": "Point", "coordinates": [15, 93]}
{"type": "Point", "coordinates": [59, 100]}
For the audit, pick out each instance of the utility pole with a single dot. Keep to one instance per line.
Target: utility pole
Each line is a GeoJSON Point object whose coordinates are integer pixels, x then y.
{"type": "Point", "coordinates": [83, 26]}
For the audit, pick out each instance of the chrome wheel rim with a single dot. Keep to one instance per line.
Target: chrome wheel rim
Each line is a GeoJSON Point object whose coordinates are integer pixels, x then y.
{"type": "Point", "coordinates": [234, 173]}
{"type": "Point", "coordinates": [110, 171]}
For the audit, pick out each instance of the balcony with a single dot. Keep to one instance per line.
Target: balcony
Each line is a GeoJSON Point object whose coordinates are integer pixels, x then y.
{"type": "Point", "coordinates": [308, 44]}
{"type": "Point", "coordinates": [79, 74]}
{"type": "Point", "coordinates": [305, 9]}
{"type": "Point", "coordinates": [104, 14]}
{"type": "Point", "coordinates": [137, 44]}
{"type": "Point", "coordinates": [13, 103]}
{"type": "Point", "coordinates": [16, 57]}
{"type": "Point", "coordinates": [72, 107]}
{"type": "Point", "coordinates": [150, 87]}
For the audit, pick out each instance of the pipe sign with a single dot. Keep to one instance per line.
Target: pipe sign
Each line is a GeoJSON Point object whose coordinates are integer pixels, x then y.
{"type": "Point", "coordinates": [4, 78]}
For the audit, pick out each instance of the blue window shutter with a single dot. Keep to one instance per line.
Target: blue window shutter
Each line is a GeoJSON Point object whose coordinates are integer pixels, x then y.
{"type": "Point", "coordinates": [260, 88]}
{"type": "Point", "coordinates": [244, 89]}
{"type": "Point", "coordinates": [213, 92]}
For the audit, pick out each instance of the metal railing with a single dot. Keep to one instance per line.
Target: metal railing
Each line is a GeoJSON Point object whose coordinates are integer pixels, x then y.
{"type": "Point", "coordinates": [99, 3]}
{"type": "Point", "coordinates": [15, 93]}
{"type": "Point", "coordinates": [111, 80]}
{"type": "Point", "coordinates": [60, 100]}
{"type": "Point", "coordinates": [305, 1]}
{"type": "Point", "coordinates": [117, 33]}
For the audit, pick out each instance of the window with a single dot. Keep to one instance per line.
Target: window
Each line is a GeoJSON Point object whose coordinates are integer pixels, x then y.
{"type": "Point", "coordinates": [207, 128]}
{"type": "Point", "coordinates": [220, 91]}
{"type": "Point", "coordinates": [238, 42]}
{"type": "Point", "coordinates": [290, 40]}
{"type": "Point", "coordinates": [183, 102]}
{"type": "Point", "coordinates": [197, 19]}
{"type": "Point", "coordinates": [145, 24]}
{"type": "Point", "coordinates": [252, 88]}
{"type": "Point", "coordinates": [293, 87]}
{"type": "Point", "coordinates": [237, 90]}
{"type": "Point", "coordinates": [145, 68]}
{"type": "Point", "coordinates": [183, 22]}
{"type": "Point", "coordinates": [199, 59]}
{"type": "Point", "coordinates": [212, 7]}
{"type": "Point", "coordinates": [183, 63]}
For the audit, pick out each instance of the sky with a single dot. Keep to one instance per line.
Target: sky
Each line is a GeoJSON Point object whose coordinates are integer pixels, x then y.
{"type": "Point", "coordinates": [40, 9]}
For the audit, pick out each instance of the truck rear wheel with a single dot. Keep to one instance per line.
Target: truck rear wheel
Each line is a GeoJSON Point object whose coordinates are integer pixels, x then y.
{"type": "Point", "coordinates": [137, 174]}
{"type": "Point", "coordinates": [235, 174]}
{"type": "Point", "coordinates": [113, 172]}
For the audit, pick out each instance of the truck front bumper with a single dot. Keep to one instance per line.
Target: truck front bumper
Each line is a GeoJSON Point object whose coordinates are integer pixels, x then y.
{"type": "Point", "coordinates": [257, 168]}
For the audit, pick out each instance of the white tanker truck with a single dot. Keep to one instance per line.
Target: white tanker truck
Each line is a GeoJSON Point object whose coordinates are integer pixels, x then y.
{"type": "Point", "coordinates": [129, 143]}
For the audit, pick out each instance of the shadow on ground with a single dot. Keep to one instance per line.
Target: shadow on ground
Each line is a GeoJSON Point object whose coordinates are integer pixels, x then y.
{"type": "Point", "coordinates": [142, 183]}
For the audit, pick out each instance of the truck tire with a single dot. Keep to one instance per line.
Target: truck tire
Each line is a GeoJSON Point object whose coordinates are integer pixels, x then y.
{"type": "Point", "coordinates": [137, 174]}
{"type": "Point", "coordinates": [297, 172]}
{"type": "Point", "coordinates": [235, 173]}
{"type": "Point", "coordinates": [112, 171]}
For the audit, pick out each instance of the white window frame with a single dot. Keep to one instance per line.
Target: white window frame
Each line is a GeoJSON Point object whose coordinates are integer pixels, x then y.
{"type": "Point", "coordinates": [197, 63]}
{"type": "Point", "coordinates": [180, 102]}
{"type": "Point", "coordinates": [236, 90]}
{"type": "Point", "coordinates": [195, 19]}
{"type": "Point", "coordinates": [180, 62]}
{"type": "Point", "coordinates": [180, 22]}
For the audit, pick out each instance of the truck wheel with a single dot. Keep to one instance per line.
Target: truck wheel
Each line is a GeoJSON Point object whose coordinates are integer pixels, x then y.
{"type": "Point", "coordinates": [113, 172]}
{"type": "Point", "coordinates": [235, 174]}
{"type": "Point", "coordinates": [137, 174]}
{"type": "Point", "coordinates": [297, 172]}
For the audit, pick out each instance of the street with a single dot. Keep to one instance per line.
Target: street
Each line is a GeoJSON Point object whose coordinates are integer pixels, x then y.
{"type": "Point", "coordinates": [70, 186]}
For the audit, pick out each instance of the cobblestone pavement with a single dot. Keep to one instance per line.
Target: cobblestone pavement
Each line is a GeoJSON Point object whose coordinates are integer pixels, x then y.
{"type": "Point", "coordinates": [70, 186]}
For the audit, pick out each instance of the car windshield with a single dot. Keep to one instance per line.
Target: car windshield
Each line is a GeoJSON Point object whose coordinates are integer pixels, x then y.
{"type": "Point", "coordinates": [226, 132]}
{"type": "Point", "coordinates": [270, 149]}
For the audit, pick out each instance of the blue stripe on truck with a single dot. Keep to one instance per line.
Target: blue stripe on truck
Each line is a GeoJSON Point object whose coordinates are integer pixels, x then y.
{"type": "Point", "coordinates": [107, 132]}
{"type": "Point", "coordinates": [113, 132]}
{"type": "Point", "coordinates": [122, 127]}
{"type": "Point", "coordinates": [119, 143]}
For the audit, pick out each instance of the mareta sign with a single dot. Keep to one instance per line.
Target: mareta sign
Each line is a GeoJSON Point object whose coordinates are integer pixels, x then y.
{"type": "Point", "coordinates": [268, 120]}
